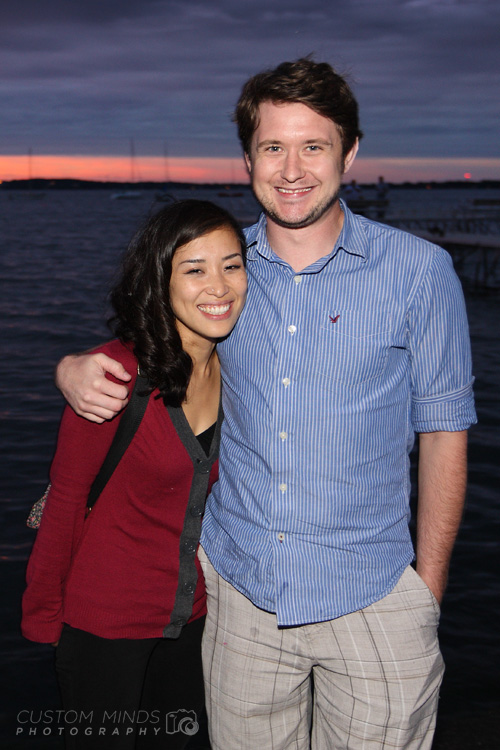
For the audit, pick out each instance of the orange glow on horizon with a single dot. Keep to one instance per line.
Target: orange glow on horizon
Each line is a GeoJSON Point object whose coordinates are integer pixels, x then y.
{"type": "Point", "coordinates": [421, 169]}
{"type": "Point", "coordinates": [222, 170]}
{"type": "Point", "coordinates": [118, 168]}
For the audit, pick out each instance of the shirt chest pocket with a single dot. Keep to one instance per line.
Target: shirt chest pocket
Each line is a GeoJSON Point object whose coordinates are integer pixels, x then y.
{"type": "Point", "coordinates": [353, 346]}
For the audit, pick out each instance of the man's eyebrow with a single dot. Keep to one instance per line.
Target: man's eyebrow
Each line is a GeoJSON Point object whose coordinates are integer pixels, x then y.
{"type": "Point", "coordinates": [270, 142]}
{"type": "Point", "coordinates": [323, 141]}
{"type": "Point", "coordinates": [277, 142]}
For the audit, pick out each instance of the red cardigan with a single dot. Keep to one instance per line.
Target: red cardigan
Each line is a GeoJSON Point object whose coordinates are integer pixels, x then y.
{"type": "Point", "coordinates": [114, 574]}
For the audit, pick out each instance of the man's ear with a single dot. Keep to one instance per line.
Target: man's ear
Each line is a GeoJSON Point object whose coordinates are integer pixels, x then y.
{"type": "Point", "coordinates": [248, 162]}
{"type": "Point", "coordinates": [350, 156]}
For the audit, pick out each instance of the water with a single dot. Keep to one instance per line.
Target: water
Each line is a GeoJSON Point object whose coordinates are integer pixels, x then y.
{"type": "Point", "coordinates": [58, 254]}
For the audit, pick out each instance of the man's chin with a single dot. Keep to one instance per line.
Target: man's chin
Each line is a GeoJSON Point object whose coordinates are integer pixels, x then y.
{"type": "Point", "coordinates": [299, 222]}
{"type": "Point", "coordinates": [288, 223]}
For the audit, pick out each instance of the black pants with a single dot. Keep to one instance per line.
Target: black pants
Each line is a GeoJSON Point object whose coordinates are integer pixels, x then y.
{"type": "Point", "coordinates": [132, 694]}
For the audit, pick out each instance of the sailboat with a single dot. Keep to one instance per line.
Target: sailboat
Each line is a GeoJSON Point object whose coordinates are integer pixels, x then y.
{"type": "Point", "coordinates": [31, 192]}
{"type": "Point", "coordinates": [129, 194]}
{"type": "Point", "coordinates": [163, 196]}
{"type": "Point", "coordinates": [230, 191]}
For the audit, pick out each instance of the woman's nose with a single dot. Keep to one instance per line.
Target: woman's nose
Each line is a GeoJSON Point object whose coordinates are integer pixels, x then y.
{"type": "Point", "coordinates": [218, 286]}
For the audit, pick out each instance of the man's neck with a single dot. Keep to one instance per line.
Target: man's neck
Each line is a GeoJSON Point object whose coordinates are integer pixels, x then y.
{"type": "Point", "coordinates": [302, 247]}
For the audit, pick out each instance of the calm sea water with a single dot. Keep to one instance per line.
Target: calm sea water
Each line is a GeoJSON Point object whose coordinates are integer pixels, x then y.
{"type": "Point", "coordinates": [58, 253]}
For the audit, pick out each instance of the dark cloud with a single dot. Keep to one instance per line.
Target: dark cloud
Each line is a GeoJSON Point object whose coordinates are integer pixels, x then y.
{"type": "Point", "coordinates": [19, 12]}
{"type": "Point", "coordinates": [84, 77]}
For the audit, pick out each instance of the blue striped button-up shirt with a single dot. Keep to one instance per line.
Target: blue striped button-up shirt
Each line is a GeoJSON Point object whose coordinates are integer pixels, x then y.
{"type": "Point", "coordinates": [327, 376]}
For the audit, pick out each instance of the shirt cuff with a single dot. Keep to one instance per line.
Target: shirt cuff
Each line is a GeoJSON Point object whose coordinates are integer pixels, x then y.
{"type": "Point", "coordinates": [451, 412]}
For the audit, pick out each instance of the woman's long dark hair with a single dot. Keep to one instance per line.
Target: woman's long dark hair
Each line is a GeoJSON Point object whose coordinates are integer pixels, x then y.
{"type": "Point", "coordinates": [141, 301]}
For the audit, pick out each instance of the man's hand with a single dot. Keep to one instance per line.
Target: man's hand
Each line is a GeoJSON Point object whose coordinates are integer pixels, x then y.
{"type": "Point", "coordinates": [82, 380]}
{"type": "Point", "coordinates": [442, 476]}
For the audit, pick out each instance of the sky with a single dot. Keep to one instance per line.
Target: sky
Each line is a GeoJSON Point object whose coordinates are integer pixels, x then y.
{"type": "Point", "coordinates": [84, 83]}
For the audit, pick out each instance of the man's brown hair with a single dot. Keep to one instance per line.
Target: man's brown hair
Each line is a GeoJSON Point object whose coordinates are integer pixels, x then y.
{"type": "Point", "coordinates": [303, 81]}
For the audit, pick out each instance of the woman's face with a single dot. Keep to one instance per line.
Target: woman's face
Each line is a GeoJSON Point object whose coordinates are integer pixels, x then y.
{"type": "Point", "coordinates": [208, 286]}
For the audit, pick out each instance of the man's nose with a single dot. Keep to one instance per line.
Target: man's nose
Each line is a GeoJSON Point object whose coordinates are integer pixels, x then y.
{"type": "Point", "coordinates": [293, 169]}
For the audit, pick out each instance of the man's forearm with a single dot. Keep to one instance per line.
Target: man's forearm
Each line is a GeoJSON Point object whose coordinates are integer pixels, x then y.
{"type": "Point", "coordinates": [442, 478]}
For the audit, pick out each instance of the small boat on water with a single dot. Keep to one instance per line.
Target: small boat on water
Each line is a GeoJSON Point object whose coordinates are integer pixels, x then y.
{"type": "Point", "coordinates": [165, 197]}
{"type": "Point", "coordinates": [229, 192]}
{"type": "Point", "coordinates": [373, 206]}
{"type": "Point", "coordinates": [369, 207]}
{"type": "Point", "coordinates": [126, 195]}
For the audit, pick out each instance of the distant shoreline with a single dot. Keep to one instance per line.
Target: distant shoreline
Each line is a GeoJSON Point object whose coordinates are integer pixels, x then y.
{"type": "Point", "coordinates": [72, 184]}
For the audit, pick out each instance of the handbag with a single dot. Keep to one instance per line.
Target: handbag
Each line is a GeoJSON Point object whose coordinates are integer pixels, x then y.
{"type": "Point", "coordinates": [126, 430]}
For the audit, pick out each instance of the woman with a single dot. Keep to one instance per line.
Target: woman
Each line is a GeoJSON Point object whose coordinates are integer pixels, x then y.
{"type": "Point", "coordinates": [120, 593]}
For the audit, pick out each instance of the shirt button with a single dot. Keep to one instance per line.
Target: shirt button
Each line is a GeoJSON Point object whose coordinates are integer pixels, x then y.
{"type": "Point", "coordinates": [283, 487]}
{"type": "Point", "coordinates": [281, 536]}
{"type": "Point", "coordinates": [286, 382]}
{"type": "Point", "coordinates": [283, 435]}
{"type": "Point", "coordinates": [297, 279]}
{"type": "Point", "coordinates": [292, 329]}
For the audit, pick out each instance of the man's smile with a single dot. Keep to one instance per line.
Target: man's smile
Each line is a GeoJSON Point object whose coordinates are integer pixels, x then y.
{"type": "Point", "coordinates": [294, 191]}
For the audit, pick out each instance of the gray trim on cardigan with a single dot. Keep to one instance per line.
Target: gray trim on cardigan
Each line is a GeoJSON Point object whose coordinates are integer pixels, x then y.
{"type": "Point", "coordinates": [190, 535]}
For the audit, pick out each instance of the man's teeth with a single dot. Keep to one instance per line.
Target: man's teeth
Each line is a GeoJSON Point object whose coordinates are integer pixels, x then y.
{"type": "Point", "coordinates": [294, 192]}
{"type": "Point", "coordinates": [214, 309]}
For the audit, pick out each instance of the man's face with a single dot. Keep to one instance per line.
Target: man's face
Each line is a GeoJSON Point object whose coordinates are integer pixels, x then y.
{"type": "Point", "coordinates": [296, 164]}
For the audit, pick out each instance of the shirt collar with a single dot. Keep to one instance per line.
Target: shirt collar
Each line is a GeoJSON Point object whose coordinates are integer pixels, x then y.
{"type": "Point", "coordinates": [353, 240]}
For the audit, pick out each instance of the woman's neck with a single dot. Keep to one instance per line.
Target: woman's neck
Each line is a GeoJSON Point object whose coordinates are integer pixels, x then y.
{"type": "Point", "coordinates": [203, 359]}
{"type": "Point", "coordinates": [201, 404]}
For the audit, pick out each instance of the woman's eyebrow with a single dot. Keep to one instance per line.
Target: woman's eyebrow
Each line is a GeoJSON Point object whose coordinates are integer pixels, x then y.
{"type": "Point", "coordinates": [193, 260]}
{"type": "Point", "coordinates": [203, 260]}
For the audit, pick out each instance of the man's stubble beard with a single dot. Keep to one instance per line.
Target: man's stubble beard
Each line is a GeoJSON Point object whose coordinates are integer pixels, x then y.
{"type": "Point", "coordinates": [315, 214]}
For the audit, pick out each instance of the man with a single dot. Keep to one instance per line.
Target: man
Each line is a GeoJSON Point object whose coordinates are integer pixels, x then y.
{"type": "Point", "coordinates": [354, 337]}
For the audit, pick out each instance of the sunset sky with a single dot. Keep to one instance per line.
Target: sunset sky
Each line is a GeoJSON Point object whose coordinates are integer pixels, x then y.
{"type": "Point", "coordinates": [82, 79]}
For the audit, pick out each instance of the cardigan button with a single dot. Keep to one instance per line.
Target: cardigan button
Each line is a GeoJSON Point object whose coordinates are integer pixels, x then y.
{"type": "Point", "coordinates": [189, 588]}
{"type": "Point", "coordinates": [196, 510]}
{"type": "Point", "coordinates": [190, 546]}
{"type": "Point", "coordinates": [203, 466]}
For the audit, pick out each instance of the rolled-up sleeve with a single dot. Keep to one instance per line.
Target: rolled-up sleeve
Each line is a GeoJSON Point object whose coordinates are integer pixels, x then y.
{"type": "Point", "coordinates": [441, 364]}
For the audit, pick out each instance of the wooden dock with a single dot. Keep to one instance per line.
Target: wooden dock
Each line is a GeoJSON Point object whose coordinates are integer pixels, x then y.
{"type": "Point", "coordinates": [472, 241]}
